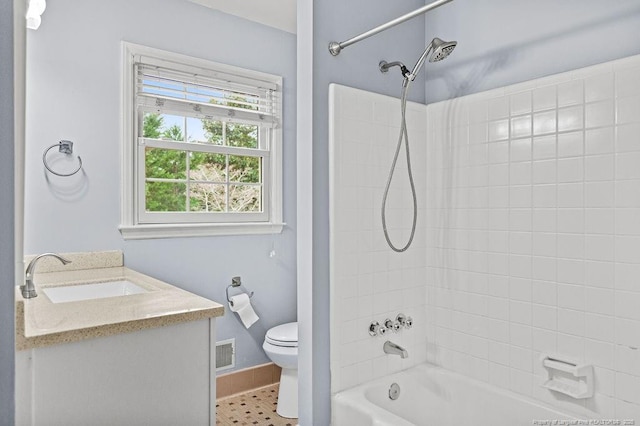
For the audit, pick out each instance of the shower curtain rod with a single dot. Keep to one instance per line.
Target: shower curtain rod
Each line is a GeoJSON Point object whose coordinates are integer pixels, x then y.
{"type": "Point", "coordinates": [335, 47]}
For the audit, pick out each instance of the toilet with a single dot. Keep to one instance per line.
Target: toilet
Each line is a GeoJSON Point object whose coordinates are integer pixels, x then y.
{"type": "Point", "coordinates": [281, 346]}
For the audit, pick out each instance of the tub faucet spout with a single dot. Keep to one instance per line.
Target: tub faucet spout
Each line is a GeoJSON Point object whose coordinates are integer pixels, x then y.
{"type": "Point", "coordinates": [393, 349]}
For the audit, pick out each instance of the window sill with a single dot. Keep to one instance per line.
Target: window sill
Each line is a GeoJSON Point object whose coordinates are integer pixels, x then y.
{"type": "Point", "coordinates": [182, 230]}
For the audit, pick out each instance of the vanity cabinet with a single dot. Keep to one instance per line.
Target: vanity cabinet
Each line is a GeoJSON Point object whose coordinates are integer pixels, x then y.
{"type": "Point", "coordinates": [155, 376]}
{"type": "Point", "coordinates": [89, 358]}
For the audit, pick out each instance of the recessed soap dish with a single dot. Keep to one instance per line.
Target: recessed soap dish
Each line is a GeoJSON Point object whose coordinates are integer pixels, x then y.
{"type": "Point", "coordinates": [568, 377]}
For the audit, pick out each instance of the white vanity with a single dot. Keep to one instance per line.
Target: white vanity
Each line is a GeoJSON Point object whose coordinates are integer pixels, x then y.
{"type": "Point", "coordinates": [143, 357]}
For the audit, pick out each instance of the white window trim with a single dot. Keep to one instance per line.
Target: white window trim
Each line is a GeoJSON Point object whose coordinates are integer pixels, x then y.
{"type": "Point", "coordinates": [129, 227]}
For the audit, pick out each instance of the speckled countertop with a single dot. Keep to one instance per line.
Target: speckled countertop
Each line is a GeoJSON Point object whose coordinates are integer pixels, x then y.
{"type": "Point", "coordinates": [39, 322]}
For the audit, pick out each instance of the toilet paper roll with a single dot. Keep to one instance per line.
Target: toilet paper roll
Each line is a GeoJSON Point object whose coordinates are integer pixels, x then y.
{"type": "Point", "coordinates": [241, 305]}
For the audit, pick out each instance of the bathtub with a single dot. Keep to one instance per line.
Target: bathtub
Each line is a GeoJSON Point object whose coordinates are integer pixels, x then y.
{"type": "Point", "coordinates": [433, 396]}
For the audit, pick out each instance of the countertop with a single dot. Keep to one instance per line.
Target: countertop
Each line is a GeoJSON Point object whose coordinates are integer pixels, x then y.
{"type": "Point", "coordinates": [39, 322]}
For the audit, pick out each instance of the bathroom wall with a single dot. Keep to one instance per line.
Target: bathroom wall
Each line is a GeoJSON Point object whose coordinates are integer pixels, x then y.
{"type": "Point", "coordinates": [369, 281]}
{"type": "Point", "coordinates": [74, 93]}
{"type": "Point", "coordinates": [533, 240]}
{"type": "Point", "coordinates": [357, 66]}
{"type": "Point", "coordinates": [502, 42]}
{"type": "Point", "coordinates": [307, 386]}
{"type": "Point", "coordinates": [7, 265]}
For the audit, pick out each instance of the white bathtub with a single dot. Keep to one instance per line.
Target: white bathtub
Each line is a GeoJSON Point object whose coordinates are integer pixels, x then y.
{"type": "Point", "coordinates": [432, 396]}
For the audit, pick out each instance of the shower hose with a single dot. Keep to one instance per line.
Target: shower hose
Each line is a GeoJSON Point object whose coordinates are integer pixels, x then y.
{"type": "Point", "coordinates": [404, 135]}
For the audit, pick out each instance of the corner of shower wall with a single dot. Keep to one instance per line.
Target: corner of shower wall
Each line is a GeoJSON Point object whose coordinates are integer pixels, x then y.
{"type": "Point", "coordinates": [368, 281]}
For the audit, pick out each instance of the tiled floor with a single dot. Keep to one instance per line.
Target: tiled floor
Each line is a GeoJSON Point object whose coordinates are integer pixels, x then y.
{"type": "Point", "coordinates": [256, 407]}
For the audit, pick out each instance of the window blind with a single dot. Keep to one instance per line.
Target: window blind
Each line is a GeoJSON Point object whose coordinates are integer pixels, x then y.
{"type": "Point", "coordinates": [187, 92]}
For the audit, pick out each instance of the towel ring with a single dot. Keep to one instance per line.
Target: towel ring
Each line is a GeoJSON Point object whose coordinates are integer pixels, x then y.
{"type": "Point", "coordinates": [235, 282]}
{"type": "Point", "coordinates": [65, 147]}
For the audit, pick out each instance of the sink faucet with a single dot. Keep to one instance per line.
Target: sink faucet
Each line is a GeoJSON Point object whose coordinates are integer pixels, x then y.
{"type": "Point", "coordinates": [28, 288]}
{"type": "Point", "coordinates": [393, 349]}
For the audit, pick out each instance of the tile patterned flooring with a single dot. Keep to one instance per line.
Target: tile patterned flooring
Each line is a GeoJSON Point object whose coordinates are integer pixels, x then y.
{"type": "Point", "coordinates": [257, 407]}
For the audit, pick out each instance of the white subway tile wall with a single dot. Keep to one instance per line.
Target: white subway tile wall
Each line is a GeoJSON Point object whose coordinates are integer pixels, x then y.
{"type": "Point", "coordinates": [533, 234]}
{"type": "Point", "coordinates": [528, 238]}
{"type": "Point", "coordinates": [368, 280]}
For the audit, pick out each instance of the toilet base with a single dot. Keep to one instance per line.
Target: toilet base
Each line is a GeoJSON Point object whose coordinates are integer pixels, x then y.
{"type": "Point", "coordinates": [288, 394]}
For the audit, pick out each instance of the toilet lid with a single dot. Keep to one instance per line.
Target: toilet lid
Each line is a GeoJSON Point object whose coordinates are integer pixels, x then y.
{"type": "Point", "coordinates": [283, 335]}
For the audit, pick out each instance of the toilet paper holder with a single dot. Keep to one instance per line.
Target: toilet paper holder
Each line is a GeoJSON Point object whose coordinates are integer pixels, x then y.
{"type": "Point", "coordinates": [236, 282]}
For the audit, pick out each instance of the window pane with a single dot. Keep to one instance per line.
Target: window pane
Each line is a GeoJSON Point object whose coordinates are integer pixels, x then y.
{"type": "Point", "coordinates": [245, 169]}
{"type": "Point", "coordinates": [165, 163]}
{"type": "Point", "coordinates": [165, 197]}
{"type": "Point", "coordinates": [163, 126]}
{"type": "Point", "coordinates": [245, 198]}
{"type": "Point", "coordinates": [213, 132]}
{"type": "Point", "coordinates": [207, 197]}
{"type": "Point", "coordinates": [152, 125]}
{"type": "Point", "coordinates": [242, 135]}
{"type": "Point", "coordinates": [198, 131]}
{"type": "Point", "coordinates": [208, 167]}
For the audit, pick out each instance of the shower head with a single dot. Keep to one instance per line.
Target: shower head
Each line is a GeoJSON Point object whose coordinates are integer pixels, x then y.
{"type": "Point", "coordinates": [439, 50]}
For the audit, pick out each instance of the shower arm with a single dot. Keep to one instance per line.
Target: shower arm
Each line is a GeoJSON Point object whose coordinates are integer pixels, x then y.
{"type": "Point", "coordinates": [335, 47]}
{"type": "Point", "coordinates": [409, 76]}
{"type": "Point", "coordinates": [384, 67]}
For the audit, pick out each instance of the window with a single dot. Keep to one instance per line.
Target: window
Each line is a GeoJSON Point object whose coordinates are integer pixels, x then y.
{"type": "Point", "coordinates": [201, 147]}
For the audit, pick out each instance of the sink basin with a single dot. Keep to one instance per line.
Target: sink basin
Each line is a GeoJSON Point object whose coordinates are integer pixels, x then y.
{"type": "Point", "coordinates": [74, 293]}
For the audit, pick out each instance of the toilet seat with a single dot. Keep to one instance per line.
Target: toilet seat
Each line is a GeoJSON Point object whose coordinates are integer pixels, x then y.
{"type": "Point", "coordinates": [285, 335]}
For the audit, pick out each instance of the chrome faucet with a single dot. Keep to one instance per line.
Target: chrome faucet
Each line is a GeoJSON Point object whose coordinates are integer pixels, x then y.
{"type": "Point", "coordinates": [28, 288]}
{"type": "Point", "coordinates": [393, 349]}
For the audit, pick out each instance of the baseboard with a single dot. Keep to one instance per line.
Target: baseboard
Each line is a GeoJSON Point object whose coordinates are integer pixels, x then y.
{"type": "Point", "coordinates": [247, 379]}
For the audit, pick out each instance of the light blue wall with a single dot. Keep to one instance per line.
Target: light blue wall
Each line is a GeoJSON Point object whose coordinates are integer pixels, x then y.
{"type": "Point", "coordinates": [6, 216]}
{"type": "Point", "coordinates": [74, 67]}
{"type": "Point", "coordinates": [356, 66]}
{"type": "Point", "coordinates": [501, 42]}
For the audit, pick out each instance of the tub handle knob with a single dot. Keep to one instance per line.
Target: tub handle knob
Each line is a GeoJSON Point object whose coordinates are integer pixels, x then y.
{"type": "Point", "coordinates": [374, 328]}
{"type": "Point", "coordinates": [392, 325]}
{"type": "Point", "coordinates": [408, 323]}
{"type": "Point", "coordinates": [405, 321]}
{"type": "Point", "coordinates": [382, 330]}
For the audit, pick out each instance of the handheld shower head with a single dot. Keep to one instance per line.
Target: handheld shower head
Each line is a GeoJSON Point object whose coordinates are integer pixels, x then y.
{"type": "Point", "coordinates": [439, 50]}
